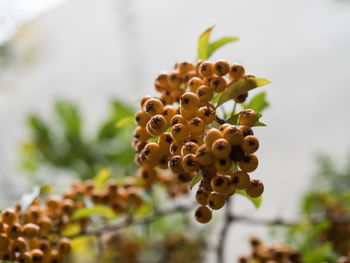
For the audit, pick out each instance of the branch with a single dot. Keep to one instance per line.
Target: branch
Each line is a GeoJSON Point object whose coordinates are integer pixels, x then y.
{"type": "Point", "coordinates": [128, 221]}
{"type": "Point", "coordinates": [220, 250]}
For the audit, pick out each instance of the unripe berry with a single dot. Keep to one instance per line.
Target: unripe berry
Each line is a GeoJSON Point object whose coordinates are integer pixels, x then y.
{"type": "Point", "coordinates": [255, 188]}
{"type": "Point", "coordinates": [249, 163]}
{"type": "Point", "coordinates": [203, 214]}
{"type": "Point", "coordinates": [189, 101]}
{"type": "Point", "coordinates": [153, 107]}
{"type": "Point", "coordinates": [240, 179]}
{"type": "Point", "coordinates": [216, 201]}
{"type": "Point", "coordinates": [247, 117]}
{"type": "Point", "coordinates": [236, 72]}
{"type": "Point", "coordinates": [250, 144]}
{"type": "Point", "coordinates": [221, 68]}
{"type": "Point", "coordinates": [221, 148]}
{"type": "Point", "coordinates": [233, 135]}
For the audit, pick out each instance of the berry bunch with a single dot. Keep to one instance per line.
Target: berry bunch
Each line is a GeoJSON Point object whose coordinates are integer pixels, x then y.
{"type": "Point", "coordinates": [34, 235]}
{"type": "Point", "coordinates": [273, 254]}
{"type": "Point", "coordinates": [175, 131]}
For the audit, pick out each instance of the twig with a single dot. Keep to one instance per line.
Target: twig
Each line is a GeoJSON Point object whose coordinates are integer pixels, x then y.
{"type": "Point", "coordinates": [132, 221]}
{"type": "Point", "coordinates": [220, 250]}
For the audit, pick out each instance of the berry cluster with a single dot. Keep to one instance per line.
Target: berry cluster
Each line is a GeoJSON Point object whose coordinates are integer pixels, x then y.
{"type": "Point", "coordinates": [34, 235]}
{"type": "Point", "coordinates": [175, 131]}
{"type": "Point", "coordinates": [273, 254]}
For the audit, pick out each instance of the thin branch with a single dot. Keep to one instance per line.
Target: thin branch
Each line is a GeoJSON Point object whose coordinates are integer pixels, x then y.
{"type": "Point", "coordinates": [132, 221]}
{"type": "Point", "coordinates": [220, 250]}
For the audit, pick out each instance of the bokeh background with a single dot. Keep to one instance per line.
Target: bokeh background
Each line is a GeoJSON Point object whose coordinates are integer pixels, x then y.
{"type": "Point", "coordinates": [91, 52]}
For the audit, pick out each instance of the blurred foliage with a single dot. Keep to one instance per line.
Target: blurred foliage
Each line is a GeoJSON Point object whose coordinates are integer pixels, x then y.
{"type": "Point", "coordinates": [327, 198]}
{"type": "Point", "coordinates": [63, 145]}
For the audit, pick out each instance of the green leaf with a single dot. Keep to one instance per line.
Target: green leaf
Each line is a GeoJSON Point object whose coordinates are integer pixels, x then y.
{"type": "Point", "coordinates": [219, 43]}
{"type": "Point", "coordinates": [101, 178]}
{"type": "Point", "coordinates": [258, 103]}
{"type": "Point", "coordinates": [259, 123]}
{"type": "Point", "coordinates": [101, 210]}
{"type": "Point", "coordinates": [233, 119]}
{"type": "Point", "coordinates": [69, 116]}
{"type": "Point", "coordinates": [28, 199]}
{"type": "Point", "coordinates": [216, 98]}
{"type": "Point", "coordinates": [195, 180]}
{"type": "Point", "coordinates": [203, 44]}
{"type": "Point", "coordinates": [256, 201]}
{"type": "Point", "coordinates": [240, 87]}
{"type": "Point", "coordinates": [125, 121]}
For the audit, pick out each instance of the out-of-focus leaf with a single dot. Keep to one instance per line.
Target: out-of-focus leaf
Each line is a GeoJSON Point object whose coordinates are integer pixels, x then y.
{"type": "Point", "coordinates": [258, 103]}
{"type": "Point", "coordinates": [233, 119]}
{"type": "Point", "coordinates": [195, 180]}
{"type": "Point", "coordinates": [239, 87]}
{"type": "Point", "coordinates": [28, 199]}
{"type": "Point", "coordinates": [124, 122]}
{"type": "Point", "coordinates": [69, 116]}
{"type": "Point", "coordinates": [259, 123]}
{"type": "Point", "coordinates": [101, 210]}
{"type": "Point", "coordinates": [101, 178]}
{"type": "Point", "coordinates": [71, 229]}
{"type": "Point", "coordinates": [216, 97]}
{"type": "Point", "coordinates": [256, 201]}
{"type": "Point", "coordinates": [203, 44]}
{"type": "Point", "coordinates": [219, 43]}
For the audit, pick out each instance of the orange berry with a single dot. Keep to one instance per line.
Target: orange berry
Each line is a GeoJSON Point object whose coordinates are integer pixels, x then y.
{"type": "Point", "coordinates": [204, 155]}
{"type": "Point", "coordinates": [233, 135]}
{"type": "Point", "coordinates": [221, 148]}
{"type": "Point", "coordinates": [249, 163]}
{"type": "Point", "coordinates": [168, 112]}
{"type": "Point", "coordinates": [218, 84]}
{"type": "Point", "coordinates": [205, 93]}
{"type": "Point", "coordinates": [216, 201]}
{"type": "Point", "coordinates": [203, 214]}
{"type": "Point", "coordinates": [236, 72]}
{"type": "Point", "coordinates": [189, 147]}
{"type": "Point", "coordinates": [221, 68]}
{"type": "Point", "coordinates": [141, 118]}
{"type": "Point", "coordinates": [206, 69]}
{"type": "Point", "coordinates": [189, 163]}
{"type": "Point", "coordinates": [250, 144]}
{"type": "Point", "coordinates": [196, 126]}
{"type": "Point", "coordinates": [189, 101]}
{"type": "Point", "coordinates": [179, 132]}
{"type": "Point", "coordinates": [153, 107]}
{"type": "Point", "coordinates": [211, 136]}
{"type": "Point", "coordinates": [247, 117]}
{"type": "Point", "coordinates": [240, 180]}
{"type": "Point", "coordinates": [202, 196]}
{"type": "Point", "coordinates": [194, 83]}
{"type": "Point", "coordinates": [255, 188]}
